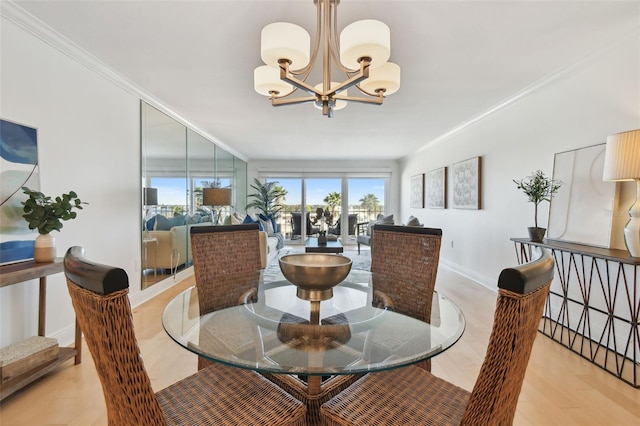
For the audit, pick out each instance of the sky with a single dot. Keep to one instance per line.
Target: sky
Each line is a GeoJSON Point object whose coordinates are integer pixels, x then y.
{"type": "Point", "coordinates": [319, 188]}
{"type": "Point", "coordinates": [171, 191]}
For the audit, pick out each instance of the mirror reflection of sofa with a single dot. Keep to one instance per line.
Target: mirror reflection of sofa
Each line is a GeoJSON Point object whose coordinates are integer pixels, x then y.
{"type": "Point", "coordinates": [172, 236]}
{"type": "Point", "coordinates": [167, 241]}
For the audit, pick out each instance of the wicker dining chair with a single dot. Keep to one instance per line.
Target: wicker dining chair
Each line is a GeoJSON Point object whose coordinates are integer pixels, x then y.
{"type": "Point", "coordinates": [217, 395]}
{"type": "Point", "coordinates": [413, 396]}
{"type": "Point", "coordinates": [406, 258]}
{"type": "Point", "coordinates": [222, 257]}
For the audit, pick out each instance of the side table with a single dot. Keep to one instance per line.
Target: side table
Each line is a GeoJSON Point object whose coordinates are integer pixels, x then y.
{"type": "Point", "coordinates": [24, 271]}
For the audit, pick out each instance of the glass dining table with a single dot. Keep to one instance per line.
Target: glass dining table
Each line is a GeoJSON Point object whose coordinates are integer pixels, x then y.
{"type": "Point", "coordinates": [275, 331]}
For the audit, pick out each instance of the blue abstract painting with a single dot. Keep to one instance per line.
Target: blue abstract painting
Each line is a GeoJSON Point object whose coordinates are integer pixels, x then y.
{"type": "Point", "coordinates": [18, 168]}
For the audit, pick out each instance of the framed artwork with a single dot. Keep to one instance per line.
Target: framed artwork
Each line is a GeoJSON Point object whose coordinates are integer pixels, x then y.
{"type": "Point", "coordinates": [465, 177]}
{"type": "Point", "coordinates": [584, 208]}
{"type": "Point", "coordinates": [19, 158]}
{"type": "Point", "coordinates": [436, 189]}
{"type": "Point", "coordinates": [417, 191]}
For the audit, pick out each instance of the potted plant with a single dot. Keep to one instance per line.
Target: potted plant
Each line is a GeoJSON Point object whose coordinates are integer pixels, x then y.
{"type": "Point", "coordinates": [267, 198]}
{"type": "Point", "coordinates": [538, 188]}
{"type": "Point", "coordinates": [46, 215]}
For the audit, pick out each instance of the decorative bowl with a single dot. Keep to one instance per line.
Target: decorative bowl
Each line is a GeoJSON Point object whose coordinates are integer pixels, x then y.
{"type": "Point", "coordinates": [315, 274]}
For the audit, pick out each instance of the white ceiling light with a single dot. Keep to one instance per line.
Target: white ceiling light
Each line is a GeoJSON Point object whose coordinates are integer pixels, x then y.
{"type": "Point", "coordinates": [363, 47]}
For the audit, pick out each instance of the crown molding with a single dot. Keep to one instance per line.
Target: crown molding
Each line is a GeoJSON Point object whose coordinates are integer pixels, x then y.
{"type": "Point", "coordinates": [34, 26]}
{"type": "Point", "coordinates": [534, 87]}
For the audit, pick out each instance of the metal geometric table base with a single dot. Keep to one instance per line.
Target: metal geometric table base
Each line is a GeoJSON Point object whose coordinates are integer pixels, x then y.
{"type": "Point", "coordinates": [593, 306]}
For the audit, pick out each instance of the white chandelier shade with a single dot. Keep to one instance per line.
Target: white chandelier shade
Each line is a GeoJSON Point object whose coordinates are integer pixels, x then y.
{"type": "Point", "coordinates": [366, 38]}
{"type": "Point", "coordinates": [266, 79]}
{"type": "Point", "coordinates": [385, 77]}
{"type": "Point", "coordinates": [282, 40]}
{"type": "Point", "coordinates": [361, 52]}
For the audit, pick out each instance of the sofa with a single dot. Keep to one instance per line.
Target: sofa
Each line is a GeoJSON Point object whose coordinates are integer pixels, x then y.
{"type": "Point", "coordinates": [364, 231]}
{"type": "Point", "coordinates": [170, 248]}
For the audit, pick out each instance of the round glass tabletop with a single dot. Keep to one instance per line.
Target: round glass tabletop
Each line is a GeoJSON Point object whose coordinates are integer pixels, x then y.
{"type": "Point", "coordinates": [356, 333]}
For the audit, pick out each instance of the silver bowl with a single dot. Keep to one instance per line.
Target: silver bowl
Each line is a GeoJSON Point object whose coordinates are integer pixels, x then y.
{"type": "Point", "coordinates": [315, 274]}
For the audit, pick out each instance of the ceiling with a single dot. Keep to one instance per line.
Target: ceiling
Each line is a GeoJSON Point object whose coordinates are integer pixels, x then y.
{"type": "Point", "coordinates": [459, 60]}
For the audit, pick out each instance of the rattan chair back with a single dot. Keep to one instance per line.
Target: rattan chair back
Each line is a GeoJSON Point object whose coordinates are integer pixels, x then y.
{"type": "Point", "coordinates": [408, 257]}
{"type": "Point", "coordinates": [218, 395]}
{"type": "Point", "coordinates": [99, 294]}
{"type": "Point", "coordinates": [222, 255]}
{"type": "Point", "coordinates": [226, 265]}
{"type": "Point", "coordinates": [405, 258]}
{"type": "Point", "coordinates": [414, 396]}
{"type": "Point", "coordinates": [522, 292]}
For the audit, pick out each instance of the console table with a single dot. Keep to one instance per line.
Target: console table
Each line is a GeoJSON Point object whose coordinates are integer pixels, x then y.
{"type": "Point", "coordinates": [593, 304]}
{"type": "Point", "coordinates": [24, 271]}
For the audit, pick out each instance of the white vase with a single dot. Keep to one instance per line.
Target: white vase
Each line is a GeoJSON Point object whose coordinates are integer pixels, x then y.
{"type": "Point", "coordinates": [45, 248]}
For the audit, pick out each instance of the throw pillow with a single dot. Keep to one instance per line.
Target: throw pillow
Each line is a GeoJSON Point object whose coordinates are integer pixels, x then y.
{"type": "Point", "coordinates": [413, 221]}
{"type": "Point", "coordinates": [165, 224]}
{"type": "Point", "coordinates": [267, 226]}
{"type": "Point", "coordinates": [236, 219]}
{"type": "Point", "coordinates": [194, 218]}
{"type": "Point", "coordinates": [381, 219]}
{"type": "Point", "coordinates": [151, 223]}
{"type": "Point", "coordinates": [249, 219]}
{"type": "Point", "coordinates": [270, 218]}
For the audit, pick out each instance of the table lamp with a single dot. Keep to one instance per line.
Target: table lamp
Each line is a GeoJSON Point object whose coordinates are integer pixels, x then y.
{"type": "Point", "coordinates": [216, 197]}
{"type": "Point", "coordinates": [622, 162]}
{"type": "Point", "coordinates": [149, 198]}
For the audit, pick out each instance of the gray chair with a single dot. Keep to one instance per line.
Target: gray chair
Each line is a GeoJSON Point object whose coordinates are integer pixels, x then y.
{"type": "Point", "coordinates": [353, 220]}
{"type": "Point", "coordinates": [296, 225]}
{"type": "Point", "coordinates": [365, 231]}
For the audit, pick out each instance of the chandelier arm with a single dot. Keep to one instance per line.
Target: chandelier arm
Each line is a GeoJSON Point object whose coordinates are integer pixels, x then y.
{"type": "Point", "coordinates": [316, 44]}
{"type": "Point", "coordinates": [280, 101]}
{"type": "Point", "coordinates": [326, 46]}
{"type": "Point", "coordinates": [377, 100]}
{"type": "Point", "coordinates": [355, 79]}
{"type": "Point", "coordinates": [286, 75]}
{"type": "Point", "coordinates": [335, 44]}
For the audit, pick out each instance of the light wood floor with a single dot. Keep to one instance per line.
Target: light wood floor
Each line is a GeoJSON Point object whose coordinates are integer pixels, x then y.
{"type": "Point", "coordinates": [560, 388]}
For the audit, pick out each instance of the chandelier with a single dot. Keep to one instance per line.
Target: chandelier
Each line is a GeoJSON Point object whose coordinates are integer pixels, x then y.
{"type": "Point", "coordinates": [361, 52]}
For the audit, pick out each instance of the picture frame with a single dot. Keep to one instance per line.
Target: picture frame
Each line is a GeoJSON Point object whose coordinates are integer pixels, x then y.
{"type": "Point", "coordinates": [19, 156]}
{"type": "Point", "coordinates": [584, 210]}
{"type": "Point", "coordinates": [417, 191]}
{"type": "Point", "coordinates": [466, 181]}
{"type": "Point", "coordinates": [436, 189]}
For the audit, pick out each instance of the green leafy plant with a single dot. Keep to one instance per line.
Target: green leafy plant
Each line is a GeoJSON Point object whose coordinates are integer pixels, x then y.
{"type": "Point", "coordinates": [45, 214]}
{"type": "Point", "coordinates": [267, 198]}
{"type": "Point", "coordinates": [538, 188]}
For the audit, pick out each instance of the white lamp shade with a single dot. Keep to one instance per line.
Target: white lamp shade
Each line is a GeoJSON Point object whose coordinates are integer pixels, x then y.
{"type": "Point", "coordinates": [385, 77]}
{"type": "Point", "coordinates": [622, 156]}
{"type": "Point", "coordinates": [365, 38]}
{"type": "Point", "coordinates": [282, 40]}
{"type": "Point", "coordinates": [267, 78]}
{"type": "Point", "coordinates": [339, 104]}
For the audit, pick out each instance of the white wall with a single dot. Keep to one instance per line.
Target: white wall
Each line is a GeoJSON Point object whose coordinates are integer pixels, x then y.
{"type": "Point", "coordinates": [577, 108]}
{"type": "Point", "coordinates": [88, 141]}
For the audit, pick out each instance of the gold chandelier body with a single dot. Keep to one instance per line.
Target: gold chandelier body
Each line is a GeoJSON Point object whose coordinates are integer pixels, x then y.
{"type": "Point", "coordinates": [361, 52]}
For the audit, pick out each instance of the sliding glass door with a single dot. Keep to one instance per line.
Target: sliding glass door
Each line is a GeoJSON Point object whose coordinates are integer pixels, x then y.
{"type": "Point", "coordinates": [326, 203]}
